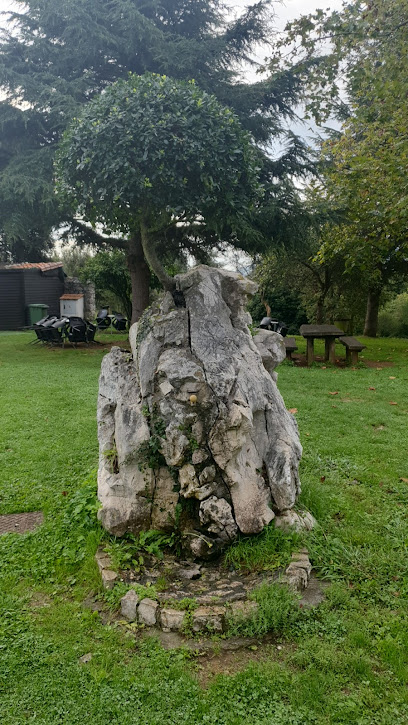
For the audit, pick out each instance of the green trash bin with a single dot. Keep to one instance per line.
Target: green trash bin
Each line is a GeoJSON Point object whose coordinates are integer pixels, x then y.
{"type": "Point", "coordinates": [35, 313]}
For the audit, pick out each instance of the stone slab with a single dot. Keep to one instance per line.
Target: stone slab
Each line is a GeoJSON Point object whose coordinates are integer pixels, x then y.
{"type": "Point", "coordinates": [209, 619]}
{"type": "Point", "coordinates": [128, 606]}
{"type": "Point", "coordinates": [171, 619]}
{"type": "Point", "coordinates": [20, 523]}
{"type": "Point", "coordinates": [148, 612]}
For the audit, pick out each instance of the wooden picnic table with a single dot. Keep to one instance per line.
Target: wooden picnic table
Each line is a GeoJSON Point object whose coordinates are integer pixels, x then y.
{"type": "Point", "coordinates": [328, 333]}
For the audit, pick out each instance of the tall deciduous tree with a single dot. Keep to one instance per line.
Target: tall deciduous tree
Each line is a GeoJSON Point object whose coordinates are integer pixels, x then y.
{"type": "Point", "coordinates": [367, 43]}
{"type": "Point", "coordinates": [150, 154]}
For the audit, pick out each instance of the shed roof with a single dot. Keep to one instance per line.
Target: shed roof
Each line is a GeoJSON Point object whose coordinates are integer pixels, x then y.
{"type": "Point", "coordinates": [43, 266]}
{"type": "Point", "coordinates": [71, 297]}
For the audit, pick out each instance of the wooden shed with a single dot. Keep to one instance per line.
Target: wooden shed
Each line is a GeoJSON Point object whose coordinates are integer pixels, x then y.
{"type": "Point", "coordinates": [26, 284]}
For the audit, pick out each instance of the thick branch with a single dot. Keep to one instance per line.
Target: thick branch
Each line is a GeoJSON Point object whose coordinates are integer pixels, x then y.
{"type": "Point", "coordinates": [314, 272]}
{"type": "Point", "coordinates": [87, 235]}
{"type": "Point", "coordinates": [150, 253]}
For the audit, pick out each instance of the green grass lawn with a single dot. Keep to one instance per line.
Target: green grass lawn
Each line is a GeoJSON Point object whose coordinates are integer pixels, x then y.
{"type": "Point", "coordinates": [345, 662]}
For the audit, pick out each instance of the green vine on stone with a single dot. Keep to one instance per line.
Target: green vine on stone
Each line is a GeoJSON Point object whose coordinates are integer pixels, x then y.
{"type": "Point", "coordinates": [193, 445]}
{"type": "Point", "coordinates": [149, 454]}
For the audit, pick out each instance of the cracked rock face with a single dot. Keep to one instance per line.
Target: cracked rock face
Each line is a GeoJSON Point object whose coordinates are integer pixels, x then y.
{"type": "Point", "coordinates": [193, 431]}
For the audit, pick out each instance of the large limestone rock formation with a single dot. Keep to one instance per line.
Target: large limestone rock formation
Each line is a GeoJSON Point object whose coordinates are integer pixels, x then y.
{"type": "Point", "coordinates": [193, 431]}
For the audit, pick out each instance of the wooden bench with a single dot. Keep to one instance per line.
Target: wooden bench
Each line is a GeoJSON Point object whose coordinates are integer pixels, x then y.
{"type": "Point", "coordinates": [290, 344]}
{"type": "Point", "coordinates": [353, 347]}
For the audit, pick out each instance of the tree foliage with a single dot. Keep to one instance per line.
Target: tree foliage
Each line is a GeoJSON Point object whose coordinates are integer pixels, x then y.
{"type": "Point", "coordinates": [54, 58]}
{"type": "Point", "coordinates": [108, 272]}
{"type": "Point", "coordinates": [363, 52]}
{"type": "Point", "coordinates": [151, 153]}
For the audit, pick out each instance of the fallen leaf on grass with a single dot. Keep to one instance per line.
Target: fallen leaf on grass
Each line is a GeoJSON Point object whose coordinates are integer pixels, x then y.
{"type": "Point", "coordinates": [405, 480]}
{"type": "Point", "coordinates": [292, 410]}
{"type": "Point", "coordinates": [335, 392]}
{"type": "Point", "coordinates": [392, 377]}
{"type": "Point", "coordinates": [322, 479]}
{"type": "Point", "coordinates": [391, 402]}
{"type": "Point", "coordinates": [371, 388]}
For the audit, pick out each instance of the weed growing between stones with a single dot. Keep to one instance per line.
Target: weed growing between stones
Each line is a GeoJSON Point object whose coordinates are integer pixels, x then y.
{"type": "Point", "coordinates": [271, 549]}
{"type": "Point", "coordinates": [277, 611]}
{"type": "Point", "coordinates": [127, 552]}
{"type": "Point", "coordinates": [193, 445]}
{"type": "Point", "coordinates": [186, 604]}
{"type": "Point", "coordinates": [111, 456]}
{"type": "Point", "coordinates": [113, 596]}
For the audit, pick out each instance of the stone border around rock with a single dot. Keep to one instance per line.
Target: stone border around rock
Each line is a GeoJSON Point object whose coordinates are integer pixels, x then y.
{"type": "Point", "coordinates": [204, 619]}
{"type": "Point", "coordinates": [108, 575]}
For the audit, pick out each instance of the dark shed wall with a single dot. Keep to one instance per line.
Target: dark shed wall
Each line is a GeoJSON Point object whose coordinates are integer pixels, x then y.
{"type": "Point", "coordinates": [12, 308]}
{"type": "Point", "coordinates": [43, 288]}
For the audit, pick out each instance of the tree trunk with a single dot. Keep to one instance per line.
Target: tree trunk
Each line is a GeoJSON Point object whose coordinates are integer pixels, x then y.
{"type": "Point", "coordinates": [371, 320]}
{"type": "Point", "coordinates": [140, 277]}
{"type": "Point", "coordinates": [325, 286]}
{"type": "Point", "coordinates": [150, 253]}
{"type": "Point", "coordinates": [320, 310]}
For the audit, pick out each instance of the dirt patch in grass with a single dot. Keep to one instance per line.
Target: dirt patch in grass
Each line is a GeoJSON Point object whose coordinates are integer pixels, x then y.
{"type": "Point", "coordinates": [222, 661]}
{"type": "Point", "coordinates": [211, 658]}
{"type": "Point", "coordinates": [40, 600]}
{"type": "Point", "coordinates": [379, 363]}
{"type": "Point", "coordinates": [300, 362]}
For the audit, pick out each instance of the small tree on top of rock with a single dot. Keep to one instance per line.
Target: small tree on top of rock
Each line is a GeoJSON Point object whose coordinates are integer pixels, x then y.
{"type": "Point", "coordinates": [150, 154]}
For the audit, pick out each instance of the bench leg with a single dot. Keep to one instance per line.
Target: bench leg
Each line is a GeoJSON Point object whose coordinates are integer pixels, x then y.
{"type": "Point", "coordinates": [330, 350]}
{"type": "Point", "coordinates": [310, 350]}
{"type": "Point", "coordinates": [288, 354]}
{"type": "Point", "coordinates": [354, 357]}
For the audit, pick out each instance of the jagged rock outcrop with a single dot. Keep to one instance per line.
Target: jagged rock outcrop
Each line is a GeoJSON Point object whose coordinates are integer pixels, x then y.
{"type": "Point", "coordinates": [193, 431]}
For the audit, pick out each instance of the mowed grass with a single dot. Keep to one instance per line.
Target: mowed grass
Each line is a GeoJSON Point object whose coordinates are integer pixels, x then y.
{"type": "Point", "coordinates": [345, 662]}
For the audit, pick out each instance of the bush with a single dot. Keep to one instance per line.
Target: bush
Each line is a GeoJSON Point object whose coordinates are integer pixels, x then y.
{"type": "Point", "coordinates": [393, 318]}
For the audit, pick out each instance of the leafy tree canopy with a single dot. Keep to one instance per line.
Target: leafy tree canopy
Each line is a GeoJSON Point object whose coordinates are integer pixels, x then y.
{"type": "Point", "coordinates": [55, 57]}
{"type": "Point", "coordinates": [339, 50]}
{"type": "Point", "coordinates": [364, 52]}
{"type": "Point", "coordinates": [151, 153]}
